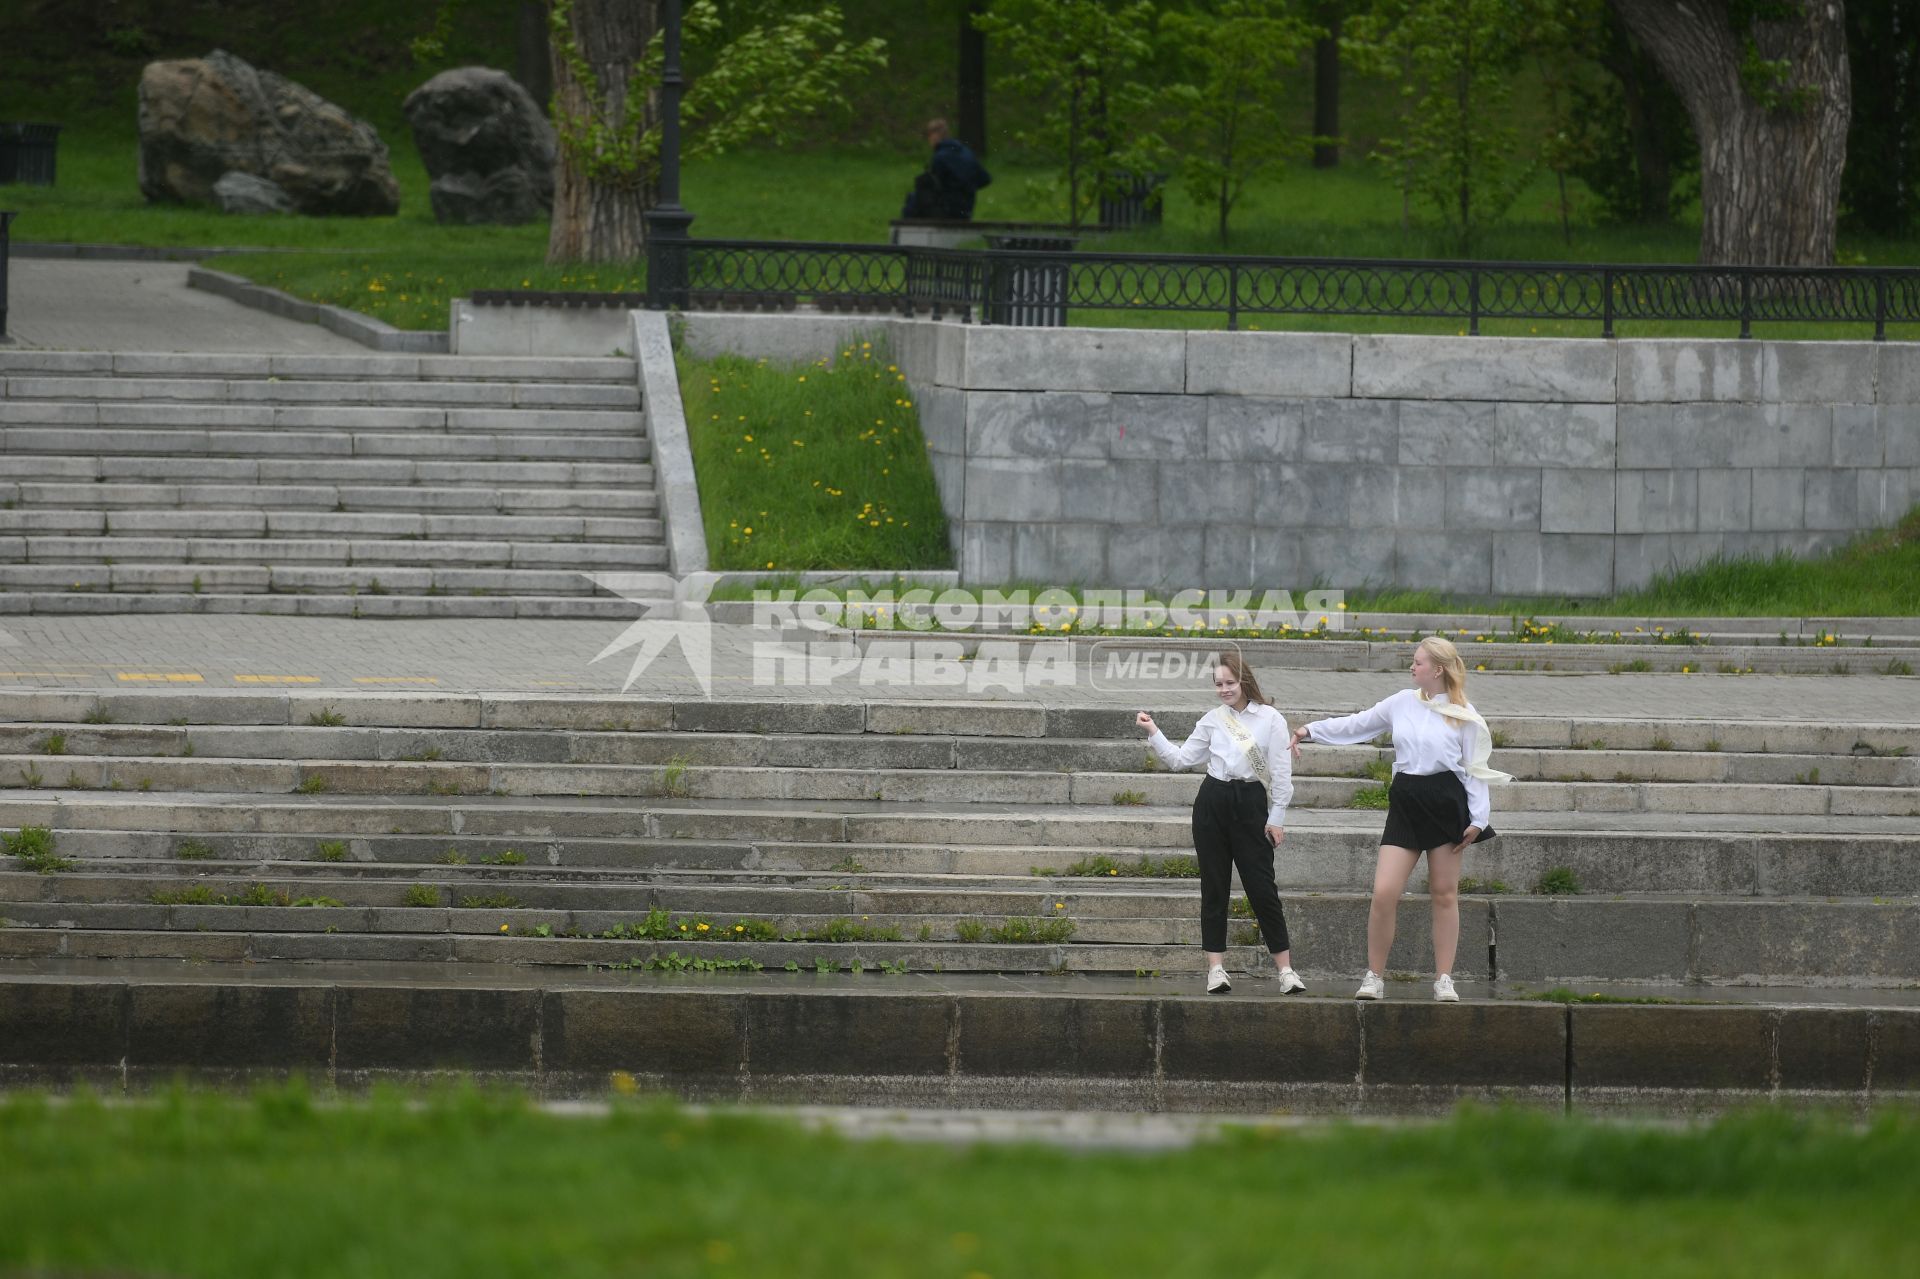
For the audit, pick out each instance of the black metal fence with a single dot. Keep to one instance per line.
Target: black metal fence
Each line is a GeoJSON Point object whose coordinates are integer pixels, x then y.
{"type": "Point", "coordinates": [1026, 286]}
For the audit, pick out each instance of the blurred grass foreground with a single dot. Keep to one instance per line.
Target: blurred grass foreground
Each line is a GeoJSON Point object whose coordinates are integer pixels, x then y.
{"type": "Point", "coordinates": [468, 1184]}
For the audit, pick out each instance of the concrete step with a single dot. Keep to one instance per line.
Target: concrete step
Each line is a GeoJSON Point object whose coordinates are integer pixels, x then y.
{"type": "Point", "coordinates": [34, 419]}
{"type": "Point", "coordinates": [1124, 762]}
{"type": "Point", "coordinates": [430, 552]}
{"type": "Point", "coordinates": [368, 367]}
{"type": "Point", "coordinates": [296, 390]}
{"type": "Point", "coordinates": [939, 786]}
{"type": "Point", "coordinates": [1726, 854]}
{"type": "Point", "coordinates": [1704, 943]}
{"type": "Point", "coordinates": [421, 499]}
{"type": "Point", "coordinates": [307, 524]}
{"type": "Point", "coordinates": [450, 446]}
{"type": "Point", "coordinates": [223, 580]}
{"type": "Point", "coordinates": [305, 472]}
{"type": "Point", "coordinates": [320, 604]}
{"type": "Point", "coordinates": [980, 732]}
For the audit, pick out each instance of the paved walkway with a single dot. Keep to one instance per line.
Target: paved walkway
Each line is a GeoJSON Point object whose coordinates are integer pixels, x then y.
{"type": "Point", "coordinates": [255, 653]}
{"type": "Point", "coordinates": [68, 305]}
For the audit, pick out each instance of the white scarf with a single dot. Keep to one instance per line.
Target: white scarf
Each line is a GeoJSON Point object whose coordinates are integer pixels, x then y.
{"type": "Point", "coordinates": [1243, 738]}
{"type": "Point", "coordinates": [1482, 742]}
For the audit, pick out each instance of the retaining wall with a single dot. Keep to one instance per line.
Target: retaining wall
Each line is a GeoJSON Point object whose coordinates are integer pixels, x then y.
{"type": "Point", "coordinates": [1121, 457]}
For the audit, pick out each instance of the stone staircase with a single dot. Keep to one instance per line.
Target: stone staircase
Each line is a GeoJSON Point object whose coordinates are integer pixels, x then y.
{"type": "Point", "coordinates": [518, 830]}
{"type": "Point", "coordinates": [365, 486]}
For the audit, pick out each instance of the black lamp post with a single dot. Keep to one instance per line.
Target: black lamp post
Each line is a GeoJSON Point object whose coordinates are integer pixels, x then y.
{"type": "Point", "coordinates": [667, 221]}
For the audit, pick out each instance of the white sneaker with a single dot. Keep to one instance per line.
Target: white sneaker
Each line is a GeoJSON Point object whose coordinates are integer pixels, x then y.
{"type": "Point", "coordinates": [1217, 983]}
{"type": "Point", "coordinates": [1371, 987]}
{"type": "Point", "coordinates": [1290, 981]}
{"type": "Point", "coordinates": [1444, 992]}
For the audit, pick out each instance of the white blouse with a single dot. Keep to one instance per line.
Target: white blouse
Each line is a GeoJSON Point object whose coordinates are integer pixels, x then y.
{"type": "Point", "coordinates": [1225, 760]}
{"type": "Point", "coordinates": [1424, 742]}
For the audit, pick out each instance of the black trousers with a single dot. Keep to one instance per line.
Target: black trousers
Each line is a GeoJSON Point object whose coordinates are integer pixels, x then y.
{"type": "Point", "coordinates": [1229, 830]}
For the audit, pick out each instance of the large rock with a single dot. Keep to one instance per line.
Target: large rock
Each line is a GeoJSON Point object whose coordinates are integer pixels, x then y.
{"type": "Point", "coordinates": [202, 118]}
{"type": "Point", "coordinates": [487, 146]}
{"type": "Point", "coordinates": [238, 192]}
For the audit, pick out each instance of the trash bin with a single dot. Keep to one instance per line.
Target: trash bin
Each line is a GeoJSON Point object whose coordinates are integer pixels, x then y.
{"type": "Point", "coordinates": [26, 153]}
{"type": "Point", "coordinates": [1029, 292]}
{"type": "Point", "coordinates": [6, 243]}
{"type": "Point", "coordinates": [1136, 203]}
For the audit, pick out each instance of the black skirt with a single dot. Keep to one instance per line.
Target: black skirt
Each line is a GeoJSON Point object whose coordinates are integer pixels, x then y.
{"type": "Point", "coordinates": [1428, 811]}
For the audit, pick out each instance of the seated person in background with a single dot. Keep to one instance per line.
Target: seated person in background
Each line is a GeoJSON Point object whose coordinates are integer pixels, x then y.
{"type": "Point", "coordinates": [946, 188]}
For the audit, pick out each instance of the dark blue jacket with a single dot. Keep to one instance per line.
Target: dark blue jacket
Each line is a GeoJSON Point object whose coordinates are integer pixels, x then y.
{"type": "Point", "coordinates": [947, 188]}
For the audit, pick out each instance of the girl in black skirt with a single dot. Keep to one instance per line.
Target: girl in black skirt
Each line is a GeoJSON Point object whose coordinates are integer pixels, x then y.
{"type": "Point", "coordinates": [1437, 803]}
{"type": "Point", "coordinates": [1239, 814]}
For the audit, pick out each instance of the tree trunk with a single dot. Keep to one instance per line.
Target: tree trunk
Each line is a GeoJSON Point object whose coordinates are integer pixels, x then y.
{"type": "Point", "coordinates": [972, 95]}
{"type": "Point", "coordinates": [1326, 90]}
{"type": "Point", "coordinates": [1769, 177]}
{"type": "Point", "coordinates": [598, 219]}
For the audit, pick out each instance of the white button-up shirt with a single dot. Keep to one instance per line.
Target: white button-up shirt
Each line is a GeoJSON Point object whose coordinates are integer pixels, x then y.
{"type": "Point", "coordinates": [1424, 742]}
{"type": "Point", "coordinates": [1225, 760]}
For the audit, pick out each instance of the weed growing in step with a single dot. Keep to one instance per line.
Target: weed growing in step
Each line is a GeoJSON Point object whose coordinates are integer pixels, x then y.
{"type": "Point", "coordinates": [328, 718]}
{"type": "Point", "coordinates": [424, 757]}
{"type": "Point", "coordinates": [1031, 932]}
{"type": "Point", "coordinates": [1485, 887]}
{"type": "Point", "coordinates": [1661, 744]}
{"type": "Point", "coordinates": [491, 901]}
{"type": "Point", "coordinates": [1369, 797]}
{"type": "Point", "coordinates": [1567, 995]}
{"type": "Point", "coordinates": [192, 850]}
{"type": "Point", "coordinates": [204, 895]}
{"type": "Point", "coordinates": [1712, 746]}
{"type": "Point", "coordinates": [421, 895]}
{"type": "Point", "coordinates": [1809, 778]}
{"type": "Point", "coordinates": [318, 901]}
{"type": "Point", "coordinates": [33, 845]}
{"type": "Point", "coordinates": [452, 857]}
{"type": "Point", "coordinates": [98, 715]}
{"type": "Point", "coordinates": [53, 744]}
{"type": "Point", "coordinates": [848, 866]}
{"type": "Point", "coordinates": [1129, 798]}
{"type": "Point", "coordinates": [1246, 935]}
{"type": "Point", "coordinates": [331, 850]}
{"type": "Point", "coordinates": [673, 778]}
{"type": "Point", "coordinates": [509, 857]}
{"type": "Point", "coordinates": [1101, 865]}
{"type": "Point", "coordinates": [1558, 881]}
{"type": "Point", "coordinates": [315, 785]}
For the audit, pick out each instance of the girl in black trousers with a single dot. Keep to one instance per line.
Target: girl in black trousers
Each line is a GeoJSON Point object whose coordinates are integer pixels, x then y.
{"type": "Point", "coordinates": [1239, 814]}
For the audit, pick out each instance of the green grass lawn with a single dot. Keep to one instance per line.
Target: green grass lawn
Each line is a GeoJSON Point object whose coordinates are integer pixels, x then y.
{"type": "Point", "coordinates": [817, 466]}
{"type": "Point", "coordinates": [405, 269]}
{"type": "Point", "coordinates": [216, 1188]}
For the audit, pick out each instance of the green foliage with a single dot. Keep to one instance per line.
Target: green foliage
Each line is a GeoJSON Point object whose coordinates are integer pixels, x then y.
{"type": "Point", "coordinates": [204, 895]}
{"type": "Point", "coordinates": [1558, 881]}
{"type": "Point", "coordinates": [327, 718]}
{"type": "Point", "coordinates": [1455, 147]}
{"type": "Point", "coordinates": [33, 846]}
{"type": "Point", "coordinates": [510, 857]}
{"type": "Point", "coordinates": [420, 895]}
{"type": "Point", "coordinates": [331, 850]}
{"type": "Point", "coordinates": [1020, 931]}
{"type": "Point", "coordinates": [53, 744]}
{"type": "Point", "coordinates": [1224, 118]}
{"type": "Point", "coordinates": [1081, 60]}
{"type": "Point", "coordinates": [1101, 865]}
{"type": "Point", "coordinates": [1369, 797]}
{"type": "Point", "coordinates": [318, 901]}
{"type": "Point", "coordinates": [193, 850]}
{"type": "Point", "coordinates": [673, 778]}
{"type": "Point", "coordinates": [490, 901]}
{"type": "Point", "coordinates": [1487, 887]}
{"type": "Point", "coordinates": [452, 857]}
{"type": "Point", "coordinates": [1129, 798]}
{"type": "Point", "coordinates": [313, 785]}
{"type": "Point", "coordinates": [759, 86]}
{"type": "Point", "coordinates": [815, 466]}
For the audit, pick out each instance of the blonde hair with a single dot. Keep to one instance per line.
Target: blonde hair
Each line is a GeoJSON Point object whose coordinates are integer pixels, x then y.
{"type": "Point", "coordinates": [1440, 650]}
{"type": "Point", "coordinates": [1249, 684]}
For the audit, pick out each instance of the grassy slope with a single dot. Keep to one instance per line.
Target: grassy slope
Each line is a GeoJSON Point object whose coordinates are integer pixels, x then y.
{"type": "Point", "coordinates": [478, 1188]}
{"type": "Point", "coordinates": [813, 466]}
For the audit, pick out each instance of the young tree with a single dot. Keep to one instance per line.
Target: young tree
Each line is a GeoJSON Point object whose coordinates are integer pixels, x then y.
{"type": "Point", "coordinates": [1082, 57]}
{"type": "Point", "coordinates": [1767, 85]}
{"type": "Point", "coordinates": [1224, 120]}
{"type": "Point", "coordinates": [1456, 142]}
{"type": "Point", "coordinates": [607, 59]}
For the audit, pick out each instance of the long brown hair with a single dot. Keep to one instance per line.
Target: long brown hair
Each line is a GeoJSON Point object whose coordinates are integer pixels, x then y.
{"type": "Point", "coordinates": [1249, 683]}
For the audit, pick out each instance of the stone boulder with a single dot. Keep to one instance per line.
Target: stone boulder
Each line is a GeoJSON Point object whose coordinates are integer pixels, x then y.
{"type": "Point", "coordinates": [487, 146]}
{"type": "Point", "coordinates": [238, 192]}
{"type": "Point", "coordinates": [203, 118]}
